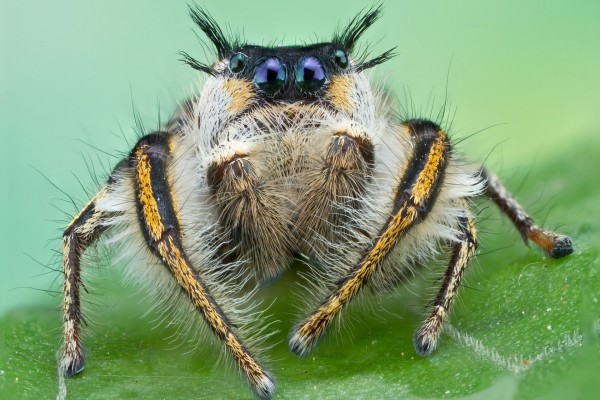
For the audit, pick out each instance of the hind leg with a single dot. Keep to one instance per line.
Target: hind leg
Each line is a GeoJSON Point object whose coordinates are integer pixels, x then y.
{"type": "Point", "coordinates": [554, 244]}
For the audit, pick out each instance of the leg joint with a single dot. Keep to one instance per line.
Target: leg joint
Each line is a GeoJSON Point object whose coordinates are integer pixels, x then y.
{"type": "Point", "coordinates": [153, 145]}
{"type": "Point", "coordinates": [348, 150]}
{"type": "Point", "coordinates": [422, 128]}
{"type": "Point", "coordinates": [236, 170]}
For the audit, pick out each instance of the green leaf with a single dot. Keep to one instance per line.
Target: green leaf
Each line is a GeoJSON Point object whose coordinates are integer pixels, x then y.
{"type": "Point", "coordinates": [525, 327]}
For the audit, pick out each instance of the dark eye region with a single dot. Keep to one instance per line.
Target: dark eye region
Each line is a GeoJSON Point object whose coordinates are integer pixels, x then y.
{"type": "Point", "coordinates": [270, 76]}
{"type": "Point", "coordinates": [237, 62]}
{"type": "Point", "coordinates": [310, 75]}
{"type": "Point", "coordinates": [297, 71]}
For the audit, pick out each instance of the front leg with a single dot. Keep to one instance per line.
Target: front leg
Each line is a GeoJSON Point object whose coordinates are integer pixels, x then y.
{"type": "Point", "coordinates": [418, 185]}
{"type": "Point", "coordinates": [159, 222]}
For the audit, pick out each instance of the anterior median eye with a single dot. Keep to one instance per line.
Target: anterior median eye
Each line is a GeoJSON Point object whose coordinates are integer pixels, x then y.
{"type": "Point", "coordinates": [237, 62]}
{"type": "Point", "coordinates": [310, 74]}
{"type": "Point", "coordinates": [270, 75]}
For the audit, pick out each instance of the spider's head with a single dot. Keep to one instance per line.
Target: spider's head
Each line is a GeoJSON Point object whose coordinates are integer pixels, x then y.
{"type": "Point", "coordinates": [248, 77]}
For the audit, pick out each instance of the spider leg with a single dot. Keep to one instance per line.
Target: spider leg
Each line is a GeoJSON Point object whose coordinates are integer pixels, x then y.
{"type": "Point", "coordinates": [554, 244]}
{"type": "Point", "coordinates": [82, 231]}
{"type": "Point", "coordinates": [156, 206]}
{"type": "Point", "coordinates": [426, 337]}
{"type": "Point", "coordinates": [418, 185]}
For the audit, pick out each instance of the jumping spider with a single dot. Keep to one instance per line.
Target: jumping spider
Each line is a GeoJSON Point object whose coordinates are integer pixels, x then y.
{"type": "Point", "coordinates": [288, 152]}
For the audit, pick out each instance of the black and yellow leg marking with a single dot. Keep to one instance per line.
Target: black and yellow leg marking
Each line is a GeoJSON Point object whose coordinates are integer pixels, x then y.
{"type": "Point", "coordinates": [414, 196]}
{"type": "Point", "coordinates": [555, 245]}
{"type": "Point", "coordinates": [83, 230]}
{"type": "Point", "coordinates": [158, 219]}
{"type": "Point", "coordinates": [426, 337]}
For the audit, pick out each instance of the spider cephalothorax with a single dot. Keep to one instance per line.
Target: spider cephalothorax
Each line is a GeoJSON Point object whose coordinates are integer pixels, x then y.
{"type": "Point", "coordinates": [287, 152]}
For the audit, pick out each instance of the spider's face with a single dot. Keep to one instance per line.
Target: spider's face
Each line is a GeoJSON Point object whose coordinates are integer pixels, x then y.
{"type": "Point", "coordinates": [257, 80]}
{"type": "Point", "coordinates": [260, 83]}
{"type": "Point", "coordinates": [288, 74]}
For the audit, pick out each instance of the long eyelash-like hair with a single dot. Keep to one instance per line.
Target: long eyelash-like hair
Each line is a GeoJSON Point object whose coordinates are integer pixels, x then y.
{"type": "Point", "coordinates": [211, 29]}
{"type": "Point", "coordinates": [214, 33]}
{"type": "Point", "coordinates": [383, 57]}
{"type": "Point", "coordinates": [348, 37]}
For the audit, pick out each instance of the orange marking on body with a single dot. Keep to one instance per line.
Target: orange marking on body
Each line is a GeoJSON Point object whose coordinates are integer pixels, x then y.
{"type": "Point", "coordinates": [339, 92]}
{"type": "Point", "coordinates": [241, 93]}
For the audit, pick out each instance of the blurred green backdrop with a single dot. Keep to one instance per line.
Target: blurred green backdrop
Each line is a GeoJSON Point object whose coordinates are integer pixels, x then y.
{"type": "Point", "coordinates": [72, 72]}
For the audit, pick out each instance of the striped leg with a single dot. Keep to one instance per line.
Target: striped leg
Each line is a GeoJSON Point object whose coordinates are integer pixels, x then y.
{"type": "Point", "coordinates": [83, 230]}
{"type": "Point", "coordinates": [555, 245]}
{"type": "Point", "coordinates": [419, 183]}
{"type": "Point", "coordinates": [159, 222]}
{"type": "Point", "coordinates": [426, 337]}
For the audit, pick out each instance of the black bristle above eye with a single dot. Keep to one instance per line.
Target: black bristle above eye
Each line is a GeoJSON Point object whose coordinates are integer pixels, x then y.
{"type": "Point", "coordinates": [214, 33]}
{"type": "Point", "coordinates": [197, 65]}
{"type": "Point", "coordinates": [349, 36]}
{"type": "Point", "coordinates": [211, 29]}
{"type": "Point", "coordinates": [377, 60]}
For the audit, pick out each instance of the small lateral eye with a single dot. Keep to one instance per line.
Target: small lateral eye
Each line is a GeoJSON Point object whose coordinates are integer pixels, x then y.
{"type": "Point", "coordinates": [341, 58]}
{"type": "Point", "coordinates": [310, 74]}
{"type": "Point", "coordinates": [237, 62]}
{"type": "Point", "coordinates": [270, 76]}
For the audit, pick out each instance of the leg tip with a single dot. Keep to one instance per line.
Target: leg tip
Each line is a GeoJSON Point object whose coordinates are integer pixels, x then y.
{"type": "Point", "coordinates": [264, 388]}
{"type": "Point", "coordinates": [70, 365]}
{"type": "Point", "coordinates": [424, 343]}
{"type": "Point", "coordinates": [563, 246]}
{"type": "Point", "coordinates": [299, 345]}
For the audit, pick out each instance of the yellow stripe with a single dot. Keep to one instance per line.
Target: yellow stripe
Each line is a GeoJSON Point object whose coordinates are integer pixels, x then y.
{"type": "Point", "coordinates": [401, 221]}
{"type": "Point", "coordinates": [146, 195]}
{"type": "Point", "coordinates": [429, 174]}
{"type": "Point", "coordinates": [398, 225]}
{"type": "Point", "coordinates": [184, 275]}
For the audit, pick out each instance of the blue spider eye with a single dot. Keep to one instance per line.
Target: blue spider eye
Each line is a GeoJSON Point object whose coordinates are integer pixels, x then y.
{"type": "Point", "coordinates": [237, 62]}
{"type": "Point", "coordinates": [270, 76]}
{"type": "Point", "coordinates": [310, 74]}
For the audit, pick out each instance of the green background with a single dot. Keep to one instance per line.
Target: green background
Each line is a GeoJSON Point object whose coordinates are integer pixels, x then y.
{"type": "Point", "coordinates": [526, 73]}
